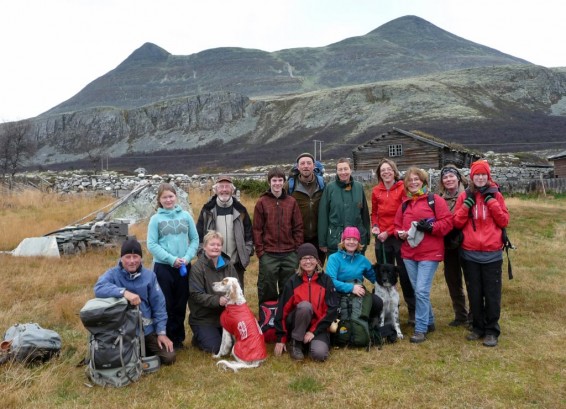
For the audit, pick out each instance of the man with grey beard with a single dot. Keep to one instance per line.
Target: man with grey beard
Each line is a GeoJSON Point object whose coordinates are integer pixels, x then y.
{"type": "Point", "coordinates": [225, 214]}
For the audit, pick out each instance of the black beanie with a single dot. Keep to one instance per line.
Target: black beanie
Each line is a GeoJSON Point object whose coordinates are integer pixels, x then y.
{"type": "Point", "coordinates": [307, 249]}
{"type": "Point", "coordinates": [131, 246]}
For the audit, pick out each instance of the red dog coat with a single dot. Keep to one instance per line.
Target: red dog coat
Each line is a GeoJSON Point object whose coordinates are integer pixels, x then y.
{"type": "Point", "coordinates": [239, 321]}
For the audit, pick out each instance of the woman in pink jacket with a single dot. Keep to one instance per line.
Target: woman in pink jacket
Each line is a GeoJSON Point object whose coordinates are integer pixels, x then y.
{"type": "Point", "coordinates": [422, 221]}
{"type": "Point", "coordinates": [481, 213]}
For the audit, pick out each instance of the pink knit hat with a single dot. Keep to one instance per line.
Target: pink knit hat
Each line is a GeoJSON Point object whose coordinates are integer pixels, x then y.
{"type": "Point", "coordinates": [351, 232]}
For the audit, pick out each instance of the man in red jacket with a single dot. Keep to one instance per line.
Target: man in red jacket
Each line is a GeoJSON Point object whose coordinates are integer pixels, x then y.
{"type": "Point", "coordinates": [278, 232]}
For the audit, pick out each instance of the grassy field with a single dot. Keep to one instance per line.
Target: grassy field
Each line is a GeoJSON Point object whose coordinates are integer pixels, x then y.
{"type": "Point", "coordinates": [526, 370]}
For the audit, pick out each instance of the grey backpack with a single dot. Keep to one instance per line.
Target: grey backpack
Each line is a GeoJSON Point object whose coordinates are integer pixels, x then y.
{"type": "Point", "coordinates": [30, 343]}
{"type": "Point", "coordinates": [114, 346]}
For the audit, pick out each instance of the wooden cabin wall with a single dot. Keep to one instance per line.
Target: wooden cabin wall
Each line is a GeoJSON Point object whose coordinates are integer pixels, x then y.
{"type": "Point", "coordinates": [560, 168]}
{"type": "Point", "coordinates": [415, 153]}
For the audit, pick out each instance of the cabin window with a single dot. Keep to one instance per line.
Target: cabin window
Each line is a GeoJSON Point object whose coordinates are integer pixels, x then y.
{"type": "Point", "coordinates": [395, 150]}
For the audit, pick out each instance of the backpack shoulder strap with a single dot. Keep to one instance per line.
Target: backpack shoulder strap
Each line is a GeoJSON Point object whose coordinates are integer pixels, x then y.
{"type": "Point", "coordinates": [430, 201]}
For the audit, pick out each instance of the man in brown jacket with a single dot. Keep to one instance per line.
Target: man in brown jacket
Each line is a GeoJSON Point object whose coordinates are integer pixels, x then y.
{"type": "Point", "coordinates": [278, 232]}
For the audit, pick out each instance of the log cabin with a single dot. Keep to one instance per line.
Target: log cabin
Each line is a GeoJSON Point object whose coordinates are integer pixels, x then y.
{"type": "Point", "coordinates": [411, 149]}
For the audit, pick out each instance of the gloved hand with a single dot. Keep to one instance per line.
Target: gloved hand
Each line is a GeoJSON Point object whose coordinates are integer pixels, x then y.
{"type": "Point", "coordinates": [487, 197]}
{"type": "Point", "coordinates": [469, 202]}
{"type": "Point", "coordinates": [424, 225]}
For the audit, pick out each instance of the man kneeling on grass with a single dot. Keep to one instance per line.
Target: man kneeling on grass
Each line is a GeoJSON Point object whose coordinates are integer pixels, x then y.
{"type": "Point", "coordinates": [138, 285]}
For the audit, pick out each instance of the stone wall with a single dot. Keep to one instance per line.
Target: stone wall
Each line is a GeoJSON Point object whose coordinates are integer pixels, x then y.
{"type": "Point", "coordinates": [511, 179]}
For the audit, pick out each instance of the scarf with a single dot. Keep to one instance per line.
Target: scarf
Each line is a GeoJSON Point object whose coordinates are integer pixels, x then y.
{"type": "Point", "coordinates": [422, 191]}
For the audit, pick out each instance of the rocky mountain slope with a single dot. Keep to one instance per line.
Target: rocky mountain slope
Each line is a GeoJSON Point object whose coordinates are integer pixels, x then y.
{"type": "Point", "coordinates": [405, 47]}
{"type": "Point", "coordinates": [227, 108]}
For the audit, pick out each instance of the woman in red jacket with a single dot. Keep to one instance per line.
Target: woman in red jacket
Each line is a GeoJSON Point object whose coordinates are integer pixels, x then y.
{"type": "Point", "coordinates": [422, 221]}
{"type": "Point", "coordinates": [307, 306]}
{"type": "Point", "coordinates": [386, 198]}
{"type": "Point", "coordinates": [481, 213]}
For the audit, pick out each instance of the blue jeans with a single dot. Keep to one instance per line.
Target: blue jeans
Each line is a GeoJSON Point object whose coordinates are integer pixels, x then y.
{"type": "Point", "coordinates": [421, 274]}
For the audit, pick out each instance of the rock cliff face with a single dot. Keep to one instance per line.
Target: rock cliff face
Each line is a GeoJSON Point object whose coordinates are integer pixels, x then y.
{"type": "Point", "coordinates": [472, 106]}
{"type": "Point", "coordinates": [231, 107]}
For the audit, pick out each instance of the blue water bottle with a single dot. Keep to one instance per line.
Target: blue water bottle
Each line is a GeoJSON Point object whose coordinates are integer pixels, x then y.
{"type": "Point", "coordinates": [183, 270]}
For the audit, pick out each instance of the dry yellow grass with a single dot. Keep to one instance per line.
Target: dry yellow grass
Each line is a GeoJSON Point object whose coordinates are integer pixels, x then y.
{"type": "Point", "coordinates": [526, 370]}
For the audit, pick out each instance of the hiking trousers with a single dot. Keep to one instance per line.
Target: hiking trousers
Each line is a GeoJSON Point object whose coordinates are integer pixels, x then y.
{"type": "Point", "coordinates": [176, 291]}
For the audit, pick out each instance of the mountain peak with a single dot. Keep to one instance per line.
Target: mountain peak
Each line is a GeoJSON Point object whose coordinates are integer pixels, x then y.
{"type": "Point", "coordinates": [148, 52]}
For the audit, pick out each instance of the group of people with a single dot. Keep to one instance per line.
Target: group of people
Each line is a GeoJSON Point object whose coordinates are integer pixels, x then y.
{"type": "Point", "coordinates": [300, 225]}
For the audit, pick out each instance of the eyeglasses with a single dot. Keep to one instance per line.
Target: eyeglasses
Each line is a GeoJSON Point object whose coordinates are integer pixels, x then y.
{"type": "Point", "coordinates": [308, 258]}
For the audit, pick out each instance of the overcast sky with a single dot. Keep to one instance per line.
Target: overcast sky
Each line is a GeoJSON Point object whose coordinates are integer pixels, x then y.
{"type": "Point", "coordinates": [50, 50]}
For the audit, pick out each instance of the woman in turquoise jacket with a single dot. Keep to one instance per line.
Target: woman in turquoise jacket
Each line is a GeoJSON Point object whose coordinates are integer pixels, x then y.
{"type": "Point", "coordinates": [343, 203]}
{"type": "Point", "coordinates": [172, 239]}
{"type": "Point", "coordinates": [348, 267]}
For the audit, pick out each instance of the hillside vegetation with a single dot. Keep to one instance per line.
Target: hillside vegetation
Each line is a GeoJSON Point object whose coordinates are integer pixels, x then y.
{"type": "Point", "coordinates": [526, 369]}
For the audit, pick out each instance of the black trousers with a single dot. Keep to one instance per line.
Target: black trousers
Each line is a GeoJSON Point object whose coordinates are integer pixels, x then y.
{"type": "Point", "coordinates": [484, 291]}
{"type": "Point", "coordinates": [176, 291]}
{"type": "Point", "coordinates": [392, 248]}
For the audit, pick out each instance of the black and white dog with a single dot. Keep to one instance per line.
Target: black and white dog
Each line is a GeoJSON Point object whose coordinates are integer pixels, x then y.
{"type": "Point", "coordinates": [386, 279]}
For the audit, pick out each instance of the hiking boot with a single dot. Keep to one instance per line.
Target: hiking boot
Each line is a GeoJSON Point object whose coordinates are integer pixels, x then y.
{"type": "Point", "coordinates": [473, 336]}
{"type": "Point", "coordinates": [490, 340]}
{"type": "Point", "coordinates": [431, 328]}
{"type": "Point", "coordinates": [418, 337]}
{"type": "Point", "coordinates": [457, 323]}
{"type": "Point", "coordinates": [296, 350]}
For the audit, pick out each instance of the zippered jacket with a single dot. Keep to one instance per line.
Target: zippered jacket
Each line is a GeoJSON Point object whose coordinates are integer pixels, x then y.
{"type": "Point", "coordinates": [144, 283]}
{"type": "Point", "coordinates": [342, 205]}
{"type": "Point", "coordinates": [482, 223]}
{"type": "Point", "coordinates": [318, 291]}
{"type": "Point", "coordinates": [384, 205]}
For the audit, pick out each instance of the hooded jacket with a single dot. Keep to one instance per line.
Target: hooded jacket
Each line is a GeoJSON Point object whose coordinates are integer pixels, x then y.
{"type": "Point", "coordinates": [172, 234]}
{"type": "Point", "coordinates": [144, 283]}
{"type": "Point", "coordinates": [277, 224]}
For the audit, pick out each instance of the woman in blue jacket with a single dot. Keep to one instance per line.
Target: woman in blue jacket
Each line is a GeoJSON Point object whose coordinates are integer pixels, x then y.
{"type": "Point", "coordinates": [172, 239]}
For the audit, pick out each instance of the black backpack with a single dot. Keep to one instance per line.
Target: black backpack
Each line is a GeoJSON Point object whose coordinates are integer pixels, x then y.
{"type": "Point", "coordinates": [267, 311]}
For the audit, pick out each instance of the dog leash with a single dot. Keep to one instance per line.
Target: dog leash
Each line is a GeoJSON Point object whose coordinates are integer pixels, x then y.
{"type": "Point", "coordinates": [383, 251]}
